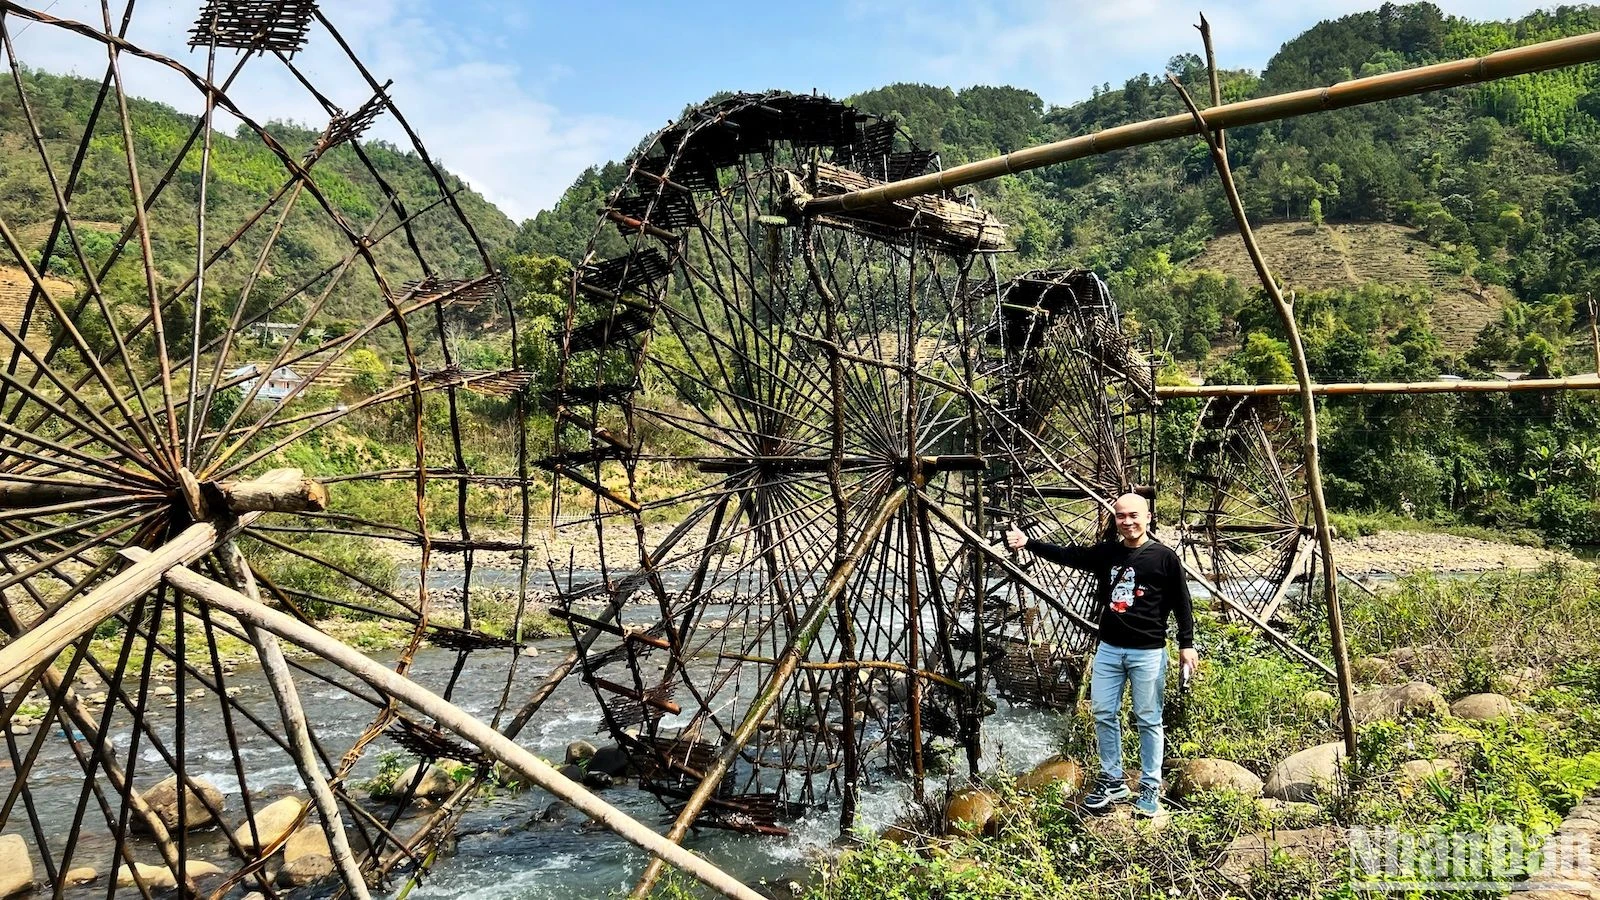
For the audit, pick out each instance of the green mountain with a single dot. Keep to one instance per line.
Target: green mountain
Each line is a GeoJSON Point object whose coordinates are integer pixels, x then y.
{"type": "Point", "coordinates": [1452, 233]}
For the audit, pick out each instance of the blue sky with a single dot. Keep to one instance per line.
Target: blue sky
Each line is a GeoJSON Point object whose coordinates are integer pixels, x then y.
{"type": "Point", "coordinates": [519, 97]}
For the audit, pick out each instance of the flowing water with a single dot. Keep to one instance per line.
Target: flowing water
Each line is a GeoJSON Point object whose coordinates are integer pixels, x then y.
{"type": "Point", "coordinates": [506, 847]}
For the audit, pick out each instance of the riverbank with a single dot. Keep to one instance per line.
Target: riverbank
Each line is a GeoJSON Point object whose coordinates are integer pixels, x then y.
{"type": "Point", "coordinates": [1410, 552]}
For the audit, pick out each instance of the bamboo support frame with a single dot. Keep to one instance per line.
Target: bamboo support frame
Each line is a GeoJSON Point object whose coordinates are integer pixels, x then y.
{"type": "Point", "coordinates": [402, 690]}
{"type": "Point", "coordinates": [1501, 64]}
{"type": "Point", "coordinates": [1308, 402]}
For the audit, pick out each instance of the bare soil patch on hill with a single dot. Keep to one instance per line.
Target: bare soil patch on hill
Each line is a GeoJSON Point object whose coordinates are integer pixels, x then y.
{"type": "Point", "coordinates": [1309, 257]}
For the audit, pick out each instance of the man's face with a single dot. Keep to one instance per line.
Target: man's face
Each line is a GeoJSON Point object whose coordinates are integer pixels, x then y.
{"type": "Point", "coordinates": [1133, 518]}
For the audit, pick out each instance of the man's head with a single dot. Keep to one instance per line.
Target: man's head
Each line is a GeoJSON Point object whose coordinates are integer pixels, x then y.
{"type": "Point", "coordinates": [1132, 513]}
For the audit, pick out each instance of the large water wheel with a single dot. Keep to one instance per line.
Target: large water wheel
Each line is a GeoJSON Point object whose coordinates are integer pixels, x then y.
{"type": "Point", "coordinates": [188, 385]}
{"type": "Point", "coordinates": [839, 409]}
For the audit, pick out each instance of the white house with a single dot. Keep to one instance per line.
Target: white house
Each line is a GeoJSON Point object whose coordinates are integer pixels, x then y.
{"type": "Point", "coordinates": [279, 386]}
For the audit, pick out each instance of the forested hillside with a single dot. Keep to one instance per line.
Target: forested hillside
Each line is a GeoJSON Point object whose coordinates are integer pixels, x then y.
{"type": "Point", "coordinates": [1489, 241]}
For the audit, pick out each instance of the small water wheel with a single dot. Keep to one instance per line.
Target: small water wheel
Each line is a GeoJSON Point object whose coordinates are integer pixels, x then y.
{"type": "Point", "coordinates": [1245, 519]}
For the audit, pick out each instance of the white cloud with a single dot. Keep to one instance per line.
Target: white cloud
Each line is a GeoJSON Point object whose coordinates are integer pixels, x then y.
{"type": "Point", "coordinates": [475, 108]}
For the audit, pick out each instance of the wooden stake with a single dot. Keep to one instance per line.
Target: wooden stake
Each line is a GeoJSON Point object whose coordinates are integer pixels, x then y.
{"type": "Point", "coordinates": [276, 669]}
{"type": "Point", "coordinates": [449, 716]}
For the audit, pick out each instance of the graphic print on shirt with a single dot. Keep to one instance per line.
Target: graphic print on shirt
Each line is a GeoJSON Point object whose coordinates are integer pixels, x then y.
{"type": "Point", "coordinates": [1125, 591]}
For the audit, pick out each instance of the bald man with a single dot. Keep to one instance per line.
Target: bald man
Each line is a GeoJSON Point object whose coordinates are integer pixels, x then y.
{"type": "Point", "coordinates": [1140, 584]}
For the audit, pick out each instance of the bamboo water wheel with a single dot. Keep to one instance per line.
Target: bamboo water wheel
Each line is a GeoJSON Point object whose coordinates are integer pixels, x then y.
{"type": "Point", "coordinates": [207, 415]}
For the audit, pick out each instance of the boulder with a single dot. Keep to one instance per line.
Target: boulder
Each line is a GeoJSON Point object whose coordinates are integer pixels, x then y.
{"type": "Point", "coordinates": [1519, 683]}
{"type": "Point", "coordinates": [1417, 771]}
{"type": "Point", "coordinates": [1414, 699]}
{"type": "Point", "coordinates": [971, 810]}
{"type": "Point", "coordinates": [306, 858]}
{"type": "Point", "coordinates": [160, 877]}
{"type": "Point", "coordinates": [272, 822]}
{"type": "Point", "coordinates": [1319, 702]}
{"type": "Point", "coordinates": [1192, 776]}
{"type": "Point", "coordinates": [1251, 851]}
{"type": "Point", "coordinates": [571, 773]}
{"type": "Point", "coordinates": [579, 752]}
{"type": "Point", "coordinates": [435, 782]}
{"type": "Point", "coordinates": [1483, 707]}
{"type": "Point", "coordinates": [163, 798]}
{"type": "Point", "coordinates": [598, 780]}
{"type": "Point", "coordinates": [1376, 670]}
{"type": "Point", "coordinates": [80, 875]}
{"type": "Point", "coordinates": [611, 760]}
{"type": "Point", "coordinates": [1053, 771]}
{"type": "Point", "coordinates": [1300, 776]}
{"type": "Point", "coordinates": [16, 866]}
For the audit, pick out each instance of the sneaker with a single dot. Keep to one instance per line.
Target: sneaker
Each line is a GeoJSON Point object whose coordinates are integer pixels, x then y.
{"type": "Point", "coordinates": [1106, 792]}
{"type": "Point", "coordinates": [1149, 803]}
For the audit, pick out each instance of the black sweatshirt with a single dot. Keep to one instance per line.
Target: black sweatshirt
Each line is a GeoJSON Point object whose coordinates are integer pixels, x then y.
{"type": "Point", "coordinates": [1137, 588]}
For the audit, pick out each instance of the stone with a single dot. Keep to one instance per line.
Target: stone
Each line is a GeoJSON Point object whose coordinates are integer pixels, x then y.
{"type": "Point", "coordinates": [1303, 774]}
{"type": "Point", "coordinates": [611, 760]}
{"type": "Point", "coordinates": [160, 877]}
{"type": "Point", "coordinates": [1416, 771]}
{"type": "Point", "coordinates": [163, 798]}
{"type": "Point", "coordinates": [598, 780]}
{"type": "Point", "coordinates": [80, 875]}
{"type": "Point", "coordinates": [16, 866]}
{"type": "Point", "coordinates": [1056, 770]}
{"type": "Point", "coordinates": [1414, 699]}
{"type": "Point", "coordinates": [1192, 776]}
{"type": "Point", "coordinates": [1519, 683]}
{"type": "Point", "coordinates": [435, 782]}
{"type": "Point", "coordinates": [579, 752]}
{"type": "Point", "coordinates": [571, 773]}
{"type": "Point", "coordinates": [164, 690]}
{"type": "Point", "coordinates": [1250, 851]}
{"type": "Point", "coordinates": [272, 822]}
{"type": "Point", "coordinates": [1376, 670]}
{"type": "Point", "coordinates": [306, 857]}
{"type": "Point", "coordinates": [1483, 707]}
{"type": "Point", "coordinates": [972, 809]}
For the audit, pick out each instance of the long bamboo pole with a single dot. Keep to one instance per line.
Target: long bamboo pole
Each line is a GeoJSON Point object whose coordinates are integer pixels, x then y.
{"type": "Point", "coordinates": [449, 716]}
{"type": "Point", "coordinates": [1308, 406]}
{"type": "Point", "coordinates": [1501, 64]}
{"type": "Point", "coordinates": [1358, 388]}
{"type": "Point", "coordinates": [304, 752]}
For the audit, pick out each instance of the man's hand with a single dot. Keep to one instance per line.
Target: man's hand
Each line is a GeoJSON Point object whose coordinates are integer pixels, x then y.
{"type": "Point", "coordinates": [1015, 539]}
{"type": "Point", "coordinates": [1188, 662]}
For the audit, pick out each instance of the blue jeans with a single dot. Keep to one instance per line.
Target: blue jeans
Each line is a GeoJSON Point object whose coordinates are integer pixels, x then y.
{"type": "Point", "coordinates": [1146, 672]}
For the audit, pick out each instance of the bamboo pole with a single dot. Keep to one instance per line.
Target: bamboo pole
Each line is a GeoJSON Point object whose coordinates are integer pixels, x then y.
{"type": "Point", "coordinates": [45, 639]}
{"type": "Point", "coordinates": [449, 716]}
{"type": "Point", "coordinates": [1501, 64]}
{"type": "Point", "coordinates": [799, 642]}
{"type": "Point", "coordinates": [279, 679]}
{"type": "Point", "coordinates": [1358, 388]}
{"type": "Point", "coordinates": [1308, 403]}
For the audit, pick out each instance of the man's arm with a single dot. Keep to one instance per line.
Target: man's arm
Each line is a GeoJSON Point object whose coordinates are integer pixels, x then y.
{"type": "Point", "coordinates": [1182, 604]}
{"type": "Point", "coordinates": [1085, 558]}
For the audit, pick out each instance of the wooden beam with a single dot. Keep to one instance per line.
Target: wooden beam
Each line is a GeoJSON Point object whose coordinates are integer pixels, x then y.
{"type": "Point", "coordinates": [1503, 64]}
{"type": "Point", "coordinates": [449, 716]}
{"type": "Point", "coordinates": [1347, 388]}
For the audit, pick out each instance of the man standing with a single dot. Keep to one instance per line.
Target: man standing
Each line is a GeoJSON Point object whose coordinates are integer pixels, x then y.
{"type": "Point", "coordinates": [1140, 582]}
